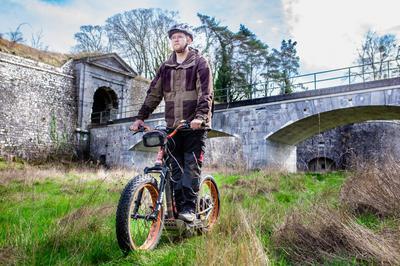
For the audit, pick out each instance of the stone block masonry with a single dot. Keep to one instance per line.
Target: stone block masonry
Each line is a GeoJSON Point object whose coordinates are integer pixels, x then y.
{"type": "Point", "coordinates": [38, 107]}
{"type": "Point", "coordinates": [343, 147]}
{"type": "Point", "coordinates": [110, 145]}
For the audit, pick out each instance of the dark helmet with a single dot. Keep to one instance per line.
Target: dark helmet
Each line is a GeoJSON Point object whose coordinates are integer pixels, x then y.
{"type": "Point", "coordinates": [183, 27]}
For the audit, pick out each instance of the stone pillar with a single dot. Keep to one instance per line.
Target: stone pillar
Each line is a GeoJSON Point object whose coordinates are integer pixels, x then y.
{"type": "Point", "coordinates": [270, 154]}
{"type": "Point", "coordinates": [281, 155]}
{"type": "Point", "coordinates": [259, 153]}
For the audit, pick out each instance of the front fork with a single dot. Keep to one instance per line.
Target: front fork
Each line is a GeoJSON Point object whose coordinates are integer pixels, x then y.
{"type": "Point", "coordinates": [165, 185]}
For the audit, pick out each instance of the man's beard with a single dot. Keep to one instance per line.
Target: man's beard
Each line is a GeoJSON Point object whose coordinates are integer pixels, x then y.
{"type": "Point", "coordinates": [181, 50]}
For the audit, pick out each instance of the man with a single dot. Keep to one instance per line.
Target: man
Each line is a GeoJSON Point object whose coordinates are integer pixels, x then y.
{"type": "Point", "coordinates": [185, 83]}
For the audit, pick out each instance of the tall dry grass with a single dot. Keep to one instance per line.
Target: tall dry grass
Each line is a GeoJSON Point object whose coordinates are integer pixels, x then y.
{"type": "Point", "coordinates": [327, 235]}
{"type": "Point", "coordinates": [10, 255]}
{"type": "Point", "coordinates": [373, 187]}
{"type": "Point", "coordinates": [29, 174]}
{"type": "Point", "coordinates": [334, 235]}
{"type": "Point", "coordinates": [234, 240]}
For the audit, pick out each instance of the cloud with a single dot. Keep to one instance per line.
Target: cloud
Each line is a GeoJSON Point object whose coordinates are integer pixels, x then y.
{"type": "Point", "coordinates": [330, 32]}
{"type": "Point", "coordinates": [260, 16]}
{"type": "Point", "coordinates": [60, 20]}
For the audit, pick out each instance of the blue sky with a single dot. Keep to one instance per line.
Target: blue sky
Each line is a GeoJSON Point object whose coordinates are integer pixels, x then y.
{"type": "Point", "coordinates": [328, 32]}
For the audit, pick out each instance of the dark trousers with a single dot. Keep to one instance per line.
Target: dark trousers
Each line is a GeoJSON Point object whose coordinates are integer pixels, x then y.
{"type": "Point", "coordinates": [187, 150]}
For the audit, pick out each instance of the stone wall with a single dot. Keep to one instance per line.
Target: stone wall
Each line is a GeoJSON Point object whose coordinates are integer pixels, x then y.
{"type": "Point", "coordinates": [110, 145]}
{"type": "Point", "coordinates": [369, 141]}
{"type": "Point", "coordinates": [38, 110]}
{"type": "Point", "coordinates": [138, 92]}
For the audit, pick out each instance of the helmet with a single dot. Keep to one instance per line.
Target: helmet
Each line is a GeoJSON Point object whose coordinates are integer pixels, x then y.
{"type": "Point", "coordinates": [183, 27]}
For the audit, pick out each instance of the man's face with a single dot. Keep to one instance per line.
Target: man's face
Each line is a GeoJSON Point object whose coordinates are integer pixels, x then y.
{"type": "Point", "coordinates": [179, 41]}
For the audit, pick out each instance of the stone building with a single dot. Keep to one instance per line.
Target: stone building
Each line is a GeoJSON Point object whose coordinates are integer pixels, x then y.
{"type": "Point", "coordinates": [48, 109]}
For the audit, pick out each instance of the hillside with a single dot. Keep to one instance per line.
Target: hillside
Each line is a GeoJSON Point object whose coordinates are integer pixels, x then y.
{"type": "Point", "coordinates": [51, 58]}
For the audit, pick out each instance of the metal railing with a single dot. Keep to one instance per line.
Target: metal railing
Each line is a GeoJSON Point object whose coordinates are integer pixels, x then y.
{"type": "Point", "coordinates": [312, 81]}
{"type": "Point", "coordinates": [273, 87]}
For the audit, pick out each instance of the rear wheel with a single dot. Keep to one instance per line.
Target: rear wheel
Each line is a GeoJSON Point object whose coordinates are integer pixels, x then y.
{"type": "Point", "coordinates": [135, 230]}
{"type": "Point", "coordinates": [208, 203]}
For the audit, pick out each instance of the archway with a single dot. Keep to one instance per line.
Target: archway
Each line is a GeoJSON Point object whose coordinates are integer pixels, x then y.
{"type": "Point", "coordinates": [293, 133]}
{"type": "Point", "coordinates": [321, 164]}
{"type": "Point", "coordinates": [105, 106]}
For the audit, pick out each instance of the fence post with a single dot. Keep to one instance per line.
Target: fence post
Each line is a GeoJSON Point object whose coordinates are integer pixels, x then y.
{"type": "Point", "coordinates": [349, 75]}
{"type": "Point", "coordinates": [363, 72]}
{"type": "Point", "coordinates": [315, 81]}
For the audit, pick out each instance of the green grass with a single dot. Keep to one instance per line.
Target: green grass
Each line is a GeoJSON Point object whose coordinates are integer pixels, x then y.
{"type": "Point", "coordinates": [67, 221]}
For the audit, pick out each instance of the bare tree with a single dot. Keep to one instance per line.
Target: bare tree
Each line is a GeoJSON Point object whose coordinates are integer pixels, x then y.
{"type": "Point", "coordinates": [374, 51]}
{"type": "Point", "coordinates": [16, 35]}
{"type": "Point", "coordinates": [398, 58]}
{"type": "Point", "coordinates": [36, 41]}
{"type": "Point", "coordinates": [92, 38]}
{"type": "Point", "coordinates": [140, 36]}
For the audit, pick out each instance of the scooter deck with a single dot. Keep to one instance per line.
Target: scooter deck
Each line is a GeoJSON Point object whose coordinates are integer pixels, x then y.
{"type": "Point", "coordinates": [180, 225]}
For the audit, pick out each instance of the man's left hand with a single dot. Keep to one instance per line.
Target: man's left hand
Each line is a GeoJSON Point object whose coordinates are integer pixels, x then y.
{"type": "Point", "coordinates": [196, 124]}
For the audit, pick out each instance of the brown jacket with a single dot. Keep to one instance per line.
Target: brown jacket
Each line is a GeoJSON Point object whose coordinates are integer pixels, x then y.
{"type": "Point", "coordinates": [187, 89]}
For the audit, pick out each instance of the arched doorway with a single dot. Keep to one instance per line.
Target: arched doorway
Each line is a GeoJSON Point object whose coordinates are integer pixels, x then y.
{"type": "Point", "coordinates": [321, 164]}
{"type": "Point", "coordinates": [105, 106]}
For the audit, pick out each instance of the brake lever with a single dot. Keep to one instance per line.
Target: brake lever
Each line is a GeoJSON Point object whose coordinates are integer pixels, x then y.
{"type": "Point", "coordinates": [136, 132]}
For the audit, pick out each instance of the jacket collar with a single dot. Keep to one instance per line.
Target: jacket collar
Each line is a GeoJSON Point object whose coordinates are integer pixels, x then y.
{"type": "Point", "coordinates": [189, 61]}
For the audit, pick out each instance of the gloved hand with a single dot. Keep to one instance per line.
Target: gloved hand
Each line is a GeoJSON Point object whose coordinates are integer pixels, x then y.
{"type": "Point", "coordinates": [136, 125]}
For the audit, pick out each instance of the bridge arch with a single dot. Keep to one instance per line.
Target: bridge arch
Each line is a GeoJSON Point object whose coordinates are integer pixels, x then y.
{"type": "Point", "coordinates": [321, 164]}
{"type": "Point", "coordinates": [297, 131]}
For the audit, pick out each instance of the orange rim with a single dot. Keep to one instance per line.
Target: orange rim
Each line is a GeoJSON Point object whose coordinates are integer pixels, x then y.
{"type": "Point", "coordinates": [143, 234]}
{"type": "Point", "coordinates": [215, 201]}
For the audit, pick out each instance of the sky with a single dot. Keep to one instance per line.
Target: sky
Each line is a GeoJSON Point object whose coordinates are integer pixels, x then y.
{"type": "Point", "coordinates": [328, 32]}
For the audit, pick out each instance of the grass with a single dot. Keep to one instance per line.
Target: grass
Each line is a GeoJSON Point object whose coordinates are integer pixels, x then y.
{"type": "Point", "coordinates": [66, 216]}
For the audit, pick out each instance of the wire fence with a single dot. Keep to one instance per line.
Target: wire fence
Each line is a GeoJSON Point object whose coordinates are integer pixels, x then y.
{"type": "Point", "coordinates": [313, 81]}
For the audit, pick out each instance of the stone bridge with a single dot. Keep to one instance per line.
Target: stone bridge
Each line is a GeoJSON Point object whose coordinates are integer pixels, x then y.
{"type": "Point", "coordinates": [269, 128]}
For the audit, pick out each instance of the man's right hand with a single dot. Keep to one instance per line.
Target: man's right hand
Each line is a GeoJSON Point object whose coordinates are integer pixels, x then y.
{"type": "Point", "coordinates": [136, 125]}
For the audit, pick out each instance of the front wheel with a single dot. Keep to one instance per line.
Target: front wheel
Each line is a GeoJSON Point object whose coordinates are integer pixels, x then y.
{"type": "Point", "coordinates": [134, 227]}
{"type": "Point", "coordinates": [208, 203]}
